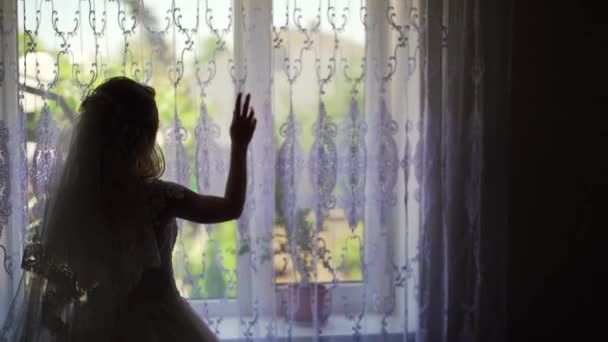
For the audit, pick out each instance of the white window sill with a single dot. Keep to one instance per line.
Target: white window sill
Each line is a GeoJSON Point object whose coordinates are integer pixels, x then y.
{"type": "Point", "coordinates": [337, 328]}
{"type": "Point", "coordinates": [351, 293]}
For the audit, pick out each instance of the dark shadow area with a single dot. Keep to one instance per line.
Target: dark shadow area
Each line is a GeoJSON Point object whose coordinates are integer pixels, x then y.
{"type": "Point", "coordinates": [558, 184]}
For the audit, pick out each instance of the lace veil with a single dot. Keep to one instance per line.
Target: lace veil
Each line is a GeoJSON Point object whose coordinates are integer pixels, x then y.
{"type": "Point", "coordinates": [81, 263]}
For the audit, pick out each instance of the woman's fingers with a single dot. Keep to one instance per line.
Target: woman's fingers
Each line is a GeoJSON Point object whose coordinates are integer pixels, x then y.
{"type": "Point", "coordinates": [237, 106]}
{"type": "Point", "coordinates": [243, 111]}
{"type": "Point", "coordinates": [246, 105]}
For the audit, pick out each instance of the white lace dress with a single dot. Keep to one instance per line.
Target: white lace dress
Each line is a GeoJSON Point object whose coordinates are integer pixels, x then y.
{"type": "Point", "coordinates": [155, 311]}
{"type": "Point", "coordinates": [85, 282]}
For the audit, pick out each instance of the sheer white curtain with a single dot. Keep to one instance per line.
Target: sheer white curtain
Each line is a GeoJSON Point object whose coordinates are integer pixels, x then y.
{"type": "Point", "coordinates": [370, 206]}
{"type": "Point", "coordinates": [12, 162]}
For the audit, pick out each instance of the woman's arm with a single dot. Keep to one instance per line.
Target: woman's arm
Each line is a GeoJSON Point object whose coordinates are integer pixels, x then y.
{"type": "Point", "coordinates": [191, 206]}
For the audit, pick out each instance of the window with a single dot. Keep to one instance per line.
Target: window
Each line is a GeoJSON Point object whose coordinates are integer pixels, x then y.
{"type": "Point", "coordinates": [314, 66]}
{"type": "Point", "coordinates": [133, 38]}
{"type": "Point", "coordinates": [318, 61]}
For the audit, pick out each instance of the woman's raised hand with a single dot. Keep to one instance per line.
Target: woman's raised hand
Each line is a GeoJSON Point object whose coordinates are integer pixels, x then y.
{"type": "Point", "coordinates": [243, 122]}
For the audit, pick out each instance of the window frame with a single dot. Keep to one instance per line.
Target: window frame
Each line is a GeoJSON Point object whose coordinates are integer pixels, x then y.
{"type": "Point", "coordinates": [242, 305]}
{"type": "Point", "coordinates": [350, 292]}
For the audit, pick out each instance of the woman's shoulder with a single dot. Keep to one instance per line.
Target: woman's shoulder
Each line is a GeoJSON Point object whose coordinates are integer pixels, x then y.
{"type": "Point", "coordinates": [164, 196]}
{"type": "Point", "coordinates": [166, 189]}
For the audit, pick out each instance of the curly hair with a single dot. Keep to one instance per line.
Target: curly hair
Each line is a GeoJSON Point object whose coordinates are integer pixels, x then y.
{"type": "Point", "coordinates": [124, 113]}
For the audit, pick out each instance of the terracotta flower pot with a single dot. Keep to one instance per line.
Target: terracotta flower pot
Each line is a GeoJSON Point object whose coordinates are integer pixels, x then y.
{"type": "Point", "coordinates": [297, 299]}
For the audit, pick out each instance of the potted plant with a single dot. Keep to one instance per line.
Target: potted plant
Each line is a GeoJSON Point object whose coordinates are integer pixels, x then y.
{"type": "Point", "coordinates": [295, 300]}
{"type": "Point", "coordinates": [300, 299]}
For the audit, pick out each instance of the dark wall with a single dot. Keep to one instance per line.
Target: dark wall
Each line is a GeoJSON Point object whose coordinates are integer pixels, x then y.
{"type": "Point", "coordinates": [558, 244]}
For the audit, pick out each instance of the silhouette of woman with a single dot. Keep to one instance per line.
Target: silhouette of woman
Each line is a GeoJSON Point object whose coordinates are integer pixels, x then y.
{"type": "Point", "coordinates": [99, 267]}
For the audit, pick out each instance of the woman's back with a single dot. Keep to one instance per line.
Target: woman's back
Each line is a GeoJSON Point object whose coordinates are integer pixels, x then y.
{"type": "Point", "coordinates": [154, 309]}
{"type": "Point", "coordinates": [158, 281]}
